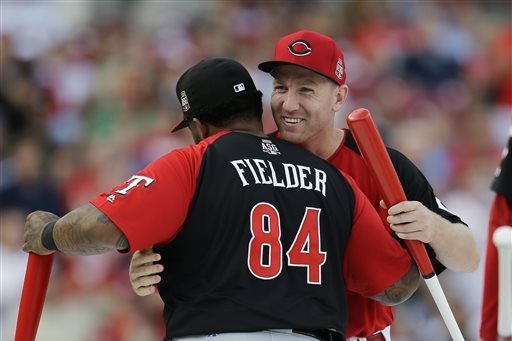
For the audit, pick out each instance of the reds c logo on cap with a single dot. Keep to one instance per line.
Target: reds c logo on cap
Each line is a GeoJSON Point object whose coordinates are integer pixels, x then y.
{"type": "Point", "coordinates": [184, 101]}
{"type": "Point", "coordinates": [300, 48]}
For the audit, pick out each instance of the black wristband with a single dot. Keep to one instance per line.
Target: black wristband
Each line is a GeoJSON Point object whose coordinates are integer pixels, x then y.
{"type": "Point", "coordinates": [47, 236]}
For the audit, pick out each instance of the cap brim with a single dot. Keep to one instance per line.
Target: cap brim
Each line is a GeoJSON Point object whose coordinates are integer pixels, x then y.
{"type": "Point", "coordinates": [181, 124]}
{"type": "Point", "coordinates": [268, 67]}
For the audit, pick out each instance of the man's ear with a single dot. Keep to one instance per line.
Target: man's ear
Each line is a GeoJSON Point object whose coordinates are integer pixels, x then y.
{"type": "Point", "coordinates": [341, 96]}
{"type": "Point", "coordinates": [199, 130]}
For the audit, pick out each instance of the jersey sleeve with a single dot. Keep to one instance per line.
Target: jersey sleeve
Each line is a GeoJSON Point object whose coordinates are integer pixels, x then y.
{"type": "Point", "coordinates": [417, 188]}
{"type": "Point", "coordinates": [150, 208]}
{"type": "Point", "coordinates": [373, 258]}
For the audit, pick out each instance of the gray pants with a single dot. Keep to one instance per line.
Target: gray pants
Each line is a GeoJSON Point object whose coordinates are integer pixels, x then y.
{"type": "Point", "coordinates": [264, 335]}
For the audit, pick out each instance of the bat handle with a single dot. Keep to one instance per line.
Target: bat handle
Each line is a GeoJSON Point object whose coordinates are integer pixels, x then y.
{"type": "Point", "coordinates": [436, 290]}
{"type": "Point", "coordinates": [35, 284]}
{"type": "Point", "coordinates": [420, 256]}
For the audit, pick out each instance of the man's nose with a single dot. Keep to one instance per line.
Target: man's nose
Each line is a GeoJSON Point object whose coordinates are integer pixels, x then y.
{"type": "Point", "coordinates": [290, 102]}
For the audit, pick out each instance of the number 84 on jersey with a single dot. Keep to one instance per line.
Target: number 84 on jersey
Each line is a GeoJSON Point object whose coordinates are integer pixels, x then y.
{"type": "Point", "coordinates": [265, 252]}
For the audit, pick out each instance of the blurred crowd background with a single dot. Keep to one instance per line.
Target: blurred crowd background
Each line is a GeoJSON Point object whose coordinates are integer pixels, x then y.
{"type": "Point", "coordinates": [87, 99]}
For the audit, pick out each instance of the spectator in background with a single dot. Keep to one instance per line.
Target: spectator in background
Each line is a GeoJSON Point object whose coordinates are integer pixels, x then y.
{"type": "Point", "coordinates": [30, 186]}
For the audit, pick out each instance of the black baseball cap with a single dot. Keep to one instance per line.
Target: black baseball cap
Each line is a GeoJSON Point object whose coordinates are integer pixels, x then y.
{"type": "Point", "coordinates": [210, 83]}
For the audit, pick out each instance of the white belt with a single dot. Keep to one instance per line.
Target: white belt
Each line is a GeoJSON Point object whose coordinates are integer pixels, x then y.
{"type": "Point", "coordinates": [263, 335]}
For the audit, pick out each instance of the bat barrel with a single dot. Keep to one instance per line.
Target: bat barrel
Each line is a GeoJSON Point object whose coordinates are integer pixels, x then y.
{"type": "Point", "coordinates": [381, 168]}
{"type": "Point", "coordinates": [35, 284]}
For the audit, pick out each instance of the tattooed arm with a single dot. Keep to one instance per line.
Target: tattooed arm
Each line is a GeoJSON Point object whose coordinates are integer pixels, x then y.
{"type": "Point", "coordinates": [83, 231]}
{"type": "Point", "coordinates": [401, 290]}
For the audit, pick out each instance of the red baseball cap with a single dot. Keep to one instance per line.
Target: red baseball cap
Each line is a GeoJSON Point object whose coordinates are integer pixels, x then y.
{"type": "Point", "coordinates": [310, 50]}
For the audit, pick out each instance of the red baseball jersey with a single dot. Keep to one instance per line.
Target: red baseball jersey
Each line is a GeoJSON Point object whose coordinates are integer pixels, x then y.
{"type": "Point", "coordinates": [501, 214]}
{"type": "Point", "coordinates": [367, 316]}
{"type": "Point", "coordinates": [255, 233]}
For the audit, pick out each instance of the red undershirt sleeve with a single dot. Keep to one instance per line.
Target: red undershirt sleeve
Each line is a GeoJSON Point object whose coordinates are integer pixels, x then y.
{"type": "Point", "coordinates": [373, 258]}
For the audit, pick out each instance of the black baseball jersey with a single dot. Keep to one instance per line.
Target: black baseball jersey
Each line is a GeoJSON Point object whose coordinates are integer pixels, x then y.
{"type": "Point", "coordinates": [502, 183]}
{"type": "Point", "coordinates": [229, 270]}
{"type": "Point", "coordinates": [255, 233]}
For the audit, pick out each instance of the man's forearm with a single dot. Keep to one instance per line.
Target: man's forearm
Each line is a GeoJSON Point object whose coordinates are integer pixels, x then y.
{"type": "Point", "coordinates": [401, 290]}
{"type": "Point", "coordinates": [87, 231]}
{"type": "Point", "coordinates": [455, 246]}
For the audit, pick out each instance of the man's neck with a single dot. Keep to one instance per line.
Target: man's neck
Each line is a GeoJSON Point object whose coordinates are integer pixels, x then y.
{"type": "Point", "coordinates": [253, 128]}
{"type": "Point", "coordinates": [326, 143]}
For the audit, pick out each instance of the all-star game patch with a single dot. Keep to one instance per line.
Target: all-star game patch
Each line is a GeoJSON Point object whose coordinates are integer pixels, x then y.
{"type": "Point", "coordinates": [269, 147]}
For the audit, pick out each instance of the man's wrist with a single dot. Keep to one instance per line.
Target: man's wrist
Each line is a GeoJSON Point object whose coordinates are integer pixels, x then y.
{"type": "Point", "coordinates": [47, 236]}
{"type": "Point", "coordinates": [434, 234]}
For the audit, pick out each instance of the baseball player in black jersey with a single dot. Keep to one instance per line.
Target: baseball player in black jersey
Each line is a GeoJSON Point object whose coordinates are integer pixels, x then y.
{"type": "Point", "coordinates": [259, 238]}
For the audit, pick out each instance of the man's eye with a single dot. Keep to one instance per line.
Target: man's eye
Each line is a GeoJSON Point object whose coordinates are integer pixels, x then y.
{"type": "Point", "coordinates": [279, 88]}
{"type": "Point", "coordinates": [306, 90]}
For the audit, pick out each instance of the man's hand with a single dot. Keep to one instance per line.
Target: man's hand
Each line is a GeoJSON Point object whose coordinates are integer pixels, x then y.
{"type": "Point", "coordinates": [143, 273]}
{"type": "Point", "coordinates": [412, 220]}
{"type": "Point", "coordinates": [453, 243]}
{"type": "Point", "coordinates": [34, 225]}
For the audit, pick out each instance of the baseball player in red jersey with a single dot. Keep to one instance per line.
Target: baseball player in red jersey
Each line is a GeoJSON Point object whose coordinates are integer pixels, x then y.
{"type": "Point", "coordinates": [309, 88]}
{"type": "Point", "coordinates": [259, 238]}
{"type": "Point", "coordinates": [501, 215]}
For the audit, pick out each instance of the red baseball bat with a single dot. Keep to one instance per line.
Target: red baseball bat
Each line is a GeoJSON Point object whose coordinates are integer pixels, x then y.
{"type": "Point", "coordinates": [378, 162]}
{"type": "Point", "coordinates": [382, 171]}
{"type": "Point", "coordinates": [37, 276]}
